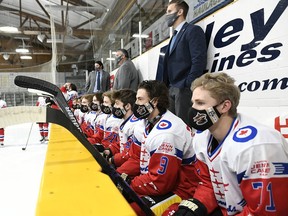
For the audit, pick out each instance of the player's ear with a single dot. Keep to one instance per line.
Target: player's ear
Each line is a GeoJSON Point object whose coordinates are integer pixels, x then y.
{"type": "Point", "coordinates": [128, 106]}
{"type": "Point", "coordinates": [225, 106]}
{"type": "Point", "coordinates": [154, 101]}
{"type": "Point", "coordinates": [180, 12]}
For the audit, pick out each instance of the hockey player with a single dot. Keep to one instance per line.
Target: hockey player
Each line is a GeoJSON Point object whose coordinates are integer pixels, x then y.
{"type": "Point", "coordinates": [69, 91]}
{"type": "Point", "coordinates": [84, 115]}
{"type": "Point", "coordinates": [117, 153]}
{"type": "Point", "coordinates": [43, 126]}
{"type": "Point", "coordinates": [247, 161]}
{"type": "Point", "coordinates": [166, 159]}
{"type": "Point", "coordinates": [2, 131]}
{"type": "Point", "coordinates": [106, 125]}
{"type": "Point", "coordinates": [90, 110]}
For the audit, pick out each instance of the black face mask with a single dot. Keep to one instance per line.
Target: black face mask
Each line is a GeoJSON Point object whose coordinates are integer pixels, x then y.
{"type": "Point", "coordinates": [118, 112]}
{"type": "Point", "coordinates": [76, 106]}
{"type": "Point", "coordinates": [118, 59]}
{"type": "Point", "coordinates": [84, 108]}
{"type": "Point", "coordinates": [105, 109]}
{"type": "Point", "coordinates": [94, 107]}
{"type": "Point", "coordinates": [171, 18]}
{"type": "Point", "coordinates": [203, 119]}
{"type": "Point", "coordinates": [143, 111]}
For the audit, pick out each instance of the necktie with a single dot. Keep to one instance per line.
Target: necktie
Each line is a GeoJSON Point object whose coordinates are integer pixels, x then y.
{"type": "Point", "coordinates": [173, 40]}
{"type": "Point", "coordinates": [98, 80]}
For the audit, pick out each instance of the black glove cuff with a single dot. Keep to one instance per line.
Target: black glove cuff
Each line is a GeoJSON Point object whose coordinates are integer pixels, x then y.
{"type": "Point", "coordinates": [99, 147]}
{"type": "Point", "coordinates": [112, 160]}
{"type": "Point", "coordinates": [195, 206]}
{"type": "Point", "coordinates": [126, 178]}
{"type": "Point", "coordinates": [110, 153]}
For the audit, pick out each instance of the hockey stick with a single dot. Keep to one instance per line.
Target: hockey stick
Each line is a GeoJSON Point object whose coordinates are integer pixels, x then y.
{"type": "Point", "coordinates": [24, 148]}
{"type": "Point", "coordinates": [74, 128]}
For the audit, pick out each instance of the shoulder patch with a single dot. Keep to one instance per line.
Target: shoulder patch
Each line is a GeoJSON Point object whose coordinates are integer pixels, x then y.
{"type": "Point", "coordinates": [164, 124]}
{"type": "Point", "coordinates": [133, 119]}
{"type": "Point", "coordinates": [245, 134]}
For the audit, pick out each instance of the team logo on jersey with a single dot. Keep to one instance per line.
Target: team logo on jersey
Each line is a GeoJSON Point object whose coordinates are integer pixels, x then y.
{"type": "Point", "coordinates": [163, 125]}
{"type": "Point", "coordinates": [133, 119]}
{"type": "Point", "coordinates": [245, 134]}
{"type": "Point", "coordinates": [281, 124]}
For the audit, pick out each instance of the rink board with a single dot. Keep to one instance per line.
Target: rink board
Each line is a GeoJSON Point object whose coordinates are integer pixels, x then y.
{"type": "Point", "coordinates": [72, 182]}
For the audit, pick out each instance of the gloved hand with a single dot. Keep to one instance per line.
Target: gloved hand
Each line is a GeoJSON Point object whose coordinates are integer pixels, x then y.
{"type": "Point", "coordinates": [49, 101]}
{"type": "Point", "coordinates": [127, 179]}
{"type": "Point", "coordinates": [99, 147]}
{"type": "Point", "coordinates": [191, 207]}
{"type": "Point", "coordinates": [107, 153]}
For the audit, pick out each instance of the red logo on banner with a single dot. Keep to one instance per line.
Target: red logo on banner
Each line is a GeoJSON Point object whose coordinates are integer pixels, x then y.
{"type": "Point", "coordinates": [281, 124]}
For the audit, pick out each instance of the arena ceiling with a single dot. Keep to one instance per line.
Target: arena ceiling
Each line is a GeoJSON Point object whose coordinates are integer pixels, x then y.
{"type": "Point", "coordinates": [84, 29]}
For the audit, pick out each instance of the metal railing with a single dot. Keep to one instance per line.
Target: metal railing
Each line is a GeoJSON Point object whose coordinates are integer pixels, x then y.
{"type": "Point", "coordinates": [19, 98]}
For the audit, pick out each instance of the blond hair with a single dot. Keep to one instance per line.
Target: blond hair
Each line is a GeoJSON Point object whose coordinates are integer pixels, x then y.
{"type": "Point", "coordinates": [221, 87]}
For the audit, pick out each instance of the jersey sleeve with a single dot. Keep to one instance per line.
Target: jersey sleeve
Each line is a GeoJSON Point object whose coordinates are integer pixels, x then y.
{"type": "Point", "coordinates": [132, 165]}
{"type": "Point", "coordinates": [262, 173]}
{"type": "Point", "coordinates": [163, 168]}
{"type": "Point", "coordinates": [121, 157]}
{"type": "Point", "coordinates": [204, 191]}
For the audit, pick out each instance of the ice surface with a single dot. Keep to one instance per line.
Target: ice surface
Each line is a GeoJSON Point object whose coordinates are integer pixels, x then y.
{"type": "Point", "coordinates": [20, 171]}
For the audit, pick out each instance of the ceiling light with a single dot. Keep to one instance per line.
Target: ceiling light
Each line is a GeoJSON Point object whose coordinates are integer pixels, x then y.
{"type": "Point", "coordinates": [9, 29]}
{"type": "Point", "coordinates": [25, 57]}
{"type": "Point", "coordinates": [138, 36]}
{"type": "Point", "coordinates": [68, 40]}
{"type": "Point", "coordinates": [6, 56]}
{"type": "Point", "coordinates": [22, 50]}
{"type": "Point", "coordinates": [41, 37]}
{"type": "Point", "coordinates": [110, 59]}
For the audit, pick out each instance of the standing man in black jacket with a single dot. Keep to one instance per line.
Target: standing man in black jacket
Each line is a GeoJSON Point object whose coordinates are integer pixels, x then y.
{"type": "Point", "coordinates": [185, 58]}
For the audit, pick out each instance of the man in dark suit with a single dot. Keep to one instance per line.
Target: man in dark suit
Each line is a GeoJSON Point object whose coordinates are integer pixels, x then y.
{"type": "Point", "coordinates": [98, 80]}
{"type": "Point", "coordinates": [185, 58]}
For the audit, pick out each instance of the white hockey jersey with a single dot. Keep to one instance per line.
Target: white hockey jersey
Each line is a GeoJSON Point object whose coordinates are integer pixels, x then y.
{"type": "Point", "coordinates": [41, 101]}
{"type": "Point", "coordinates": [248, 169]}
{"type": "Point", "coordinates": [126, 130]}
{"type": "Point", "coordinates": [166, 157]}
{"type": "Point", "coordinates": [3, 104]}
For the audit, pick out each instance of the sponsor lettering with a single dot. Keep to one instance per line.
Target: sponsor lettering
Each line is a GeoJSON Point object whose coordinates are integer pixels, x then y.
{"type": "Point", "coordinates": [263, 85]}
{"type": "Point", "coordinates": [261, 168]}
{"type": "Point", "coordinates": [166, 147]}
{"type": "Point", "coordinates": [231, 31]}
{"type": "Point", "coordinates": [204, 5]}
{"type": "Point", "coordinates": [73, 119]}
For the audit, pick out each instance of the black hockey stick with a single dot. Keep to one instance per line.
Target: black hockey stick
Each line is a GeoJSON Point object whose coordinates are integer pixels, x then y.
{"type": "Point", "coordinates": [25, 147]}
{"type": "Point", "coordinates": [74, 128]}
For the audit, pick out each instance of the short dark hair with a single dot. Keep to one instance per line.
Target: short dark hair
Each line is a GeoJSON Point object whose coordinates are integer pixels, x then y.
{"type": "Point", "coordinates": [73, 87]}
{"type": "Point", "coordinates": [100, 63]}
{"type": "Point", "coordinates": [158, 90]}
{"type": "Point", "coordinates": [98, 96]}
{"type": "Point", "coordinates": [180, 4]}
{"type": "Point", "coordinates": [125, 52]}
{"type": "Point", "coordinates": [126, 96]}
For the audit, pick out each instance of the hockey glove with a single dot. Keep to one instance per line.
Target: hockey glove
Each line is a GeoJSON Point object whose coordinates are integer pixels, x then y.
{"type": "Point", "coordinates": [107, 154]}
{"type": "Point", "coordinates": [127, 179]}
{"type": "Point", "coordinates": [99, 147]}
{"type": "Point", "coordinates": [49, 101]}
{"type": "Point", "coordinates": [191, 207]}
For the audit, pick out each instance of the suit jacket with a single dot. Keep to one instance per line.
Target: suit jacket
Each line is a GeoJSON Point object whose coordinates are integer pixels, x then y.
{"type": "Point", "coordinates": [127, 76]}
{"type": "Point", "coordinates": [104, 82]}
{"type": "Point", "coordinates": [187, 59]}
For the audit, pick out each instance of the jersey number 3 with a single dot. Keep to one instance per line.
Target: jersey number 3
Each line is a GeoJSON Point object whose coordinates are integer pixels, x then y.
{"type": "Point", "coordinates": [163, 165]}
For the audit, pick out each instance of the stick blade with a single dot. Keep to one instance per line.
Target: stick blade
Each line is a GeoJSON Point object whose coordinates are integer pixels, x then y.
{"type": "Point", "coordinates": [38, 84]}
